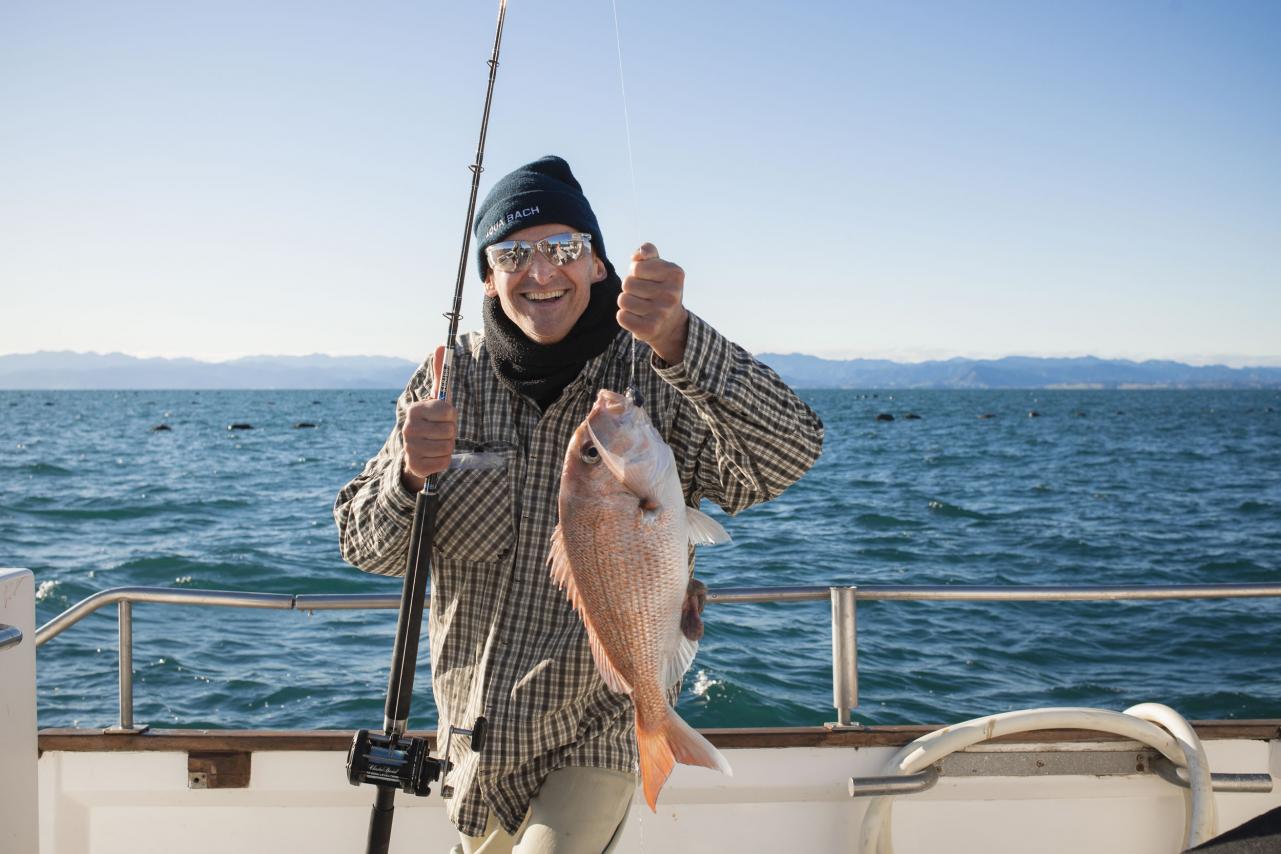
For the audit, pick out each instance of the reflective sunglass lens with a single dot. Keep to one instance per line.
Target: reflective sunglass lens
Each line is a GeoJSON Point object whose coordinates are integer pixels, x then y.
{"type": "Point", "coordinates": [512, 256]}
{"type": "Point", "coordinates": [562, 249]}
{"type": "Point", "coordinates": [509, 256]}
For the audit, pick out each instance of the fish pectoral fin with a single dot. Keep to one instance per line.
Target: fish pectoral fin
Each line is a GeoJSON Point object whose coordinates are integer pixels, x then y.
{"type": "Point", "coordinates": [703, 529]}
{"type": "Point", "coordinates": [678, 662]}
{"type": "Point", "coordinates": [608, 672]}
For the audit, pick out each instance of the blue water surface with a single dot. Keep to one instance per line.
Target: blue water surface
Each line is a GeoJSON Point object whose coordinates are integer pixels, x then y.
{"type": "Point", "coordinates": [1103, 487]}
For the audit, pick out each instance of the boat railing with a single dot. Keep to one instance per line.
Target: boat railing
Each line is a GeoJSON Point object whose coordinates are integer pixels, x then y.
{"type": "Point", "coordinates": [843, 599]}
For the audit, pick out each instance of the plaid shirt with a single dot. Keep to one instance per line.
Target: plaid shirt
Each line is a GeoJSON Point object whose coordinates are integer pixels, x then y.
{"type": "Point", "coordinates": [504, 641]}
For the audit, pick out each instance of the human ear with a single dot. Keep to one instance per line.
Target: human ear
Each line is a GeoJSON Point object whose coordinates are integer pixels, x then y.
{"type": "Point", "coordinates": [598, 269]}
{"type": "Point", "coordinates": [491, 290]}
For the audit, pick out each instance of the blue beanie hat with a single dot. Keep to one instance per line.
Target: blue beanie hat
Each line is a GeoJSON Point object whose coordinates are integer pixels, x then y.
{"type": "Point", "coordinates": [537, 193]}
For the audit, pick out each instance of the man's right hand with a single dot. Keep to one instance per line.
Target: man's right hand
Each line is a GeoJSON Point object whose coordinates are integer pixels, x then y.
{"type": "Point", "coordinates": [431, 426]}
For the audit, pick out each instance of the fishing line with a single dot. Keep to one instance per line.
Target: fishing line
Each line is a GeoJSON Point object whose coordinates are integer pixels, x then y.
{"type": "Point", "coordinates": [627, 121]}
{"type": "Point", "coordinates": [633, 393]}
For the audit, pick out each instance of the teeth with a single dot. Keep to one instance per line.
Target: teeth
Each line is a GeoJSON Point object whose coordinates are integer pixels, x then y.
{"type": "Point", "coordinates": [542, 295]}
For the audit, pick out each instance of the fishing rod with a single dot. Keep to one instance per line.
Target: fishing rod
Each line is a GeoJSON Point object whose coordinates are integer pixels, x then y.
{"type": "Point", "coordinates": [391, 760]}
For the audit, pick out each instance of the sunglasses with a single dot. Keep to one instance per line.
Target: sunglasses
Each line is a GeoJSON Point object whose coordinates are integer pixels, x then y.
{"type": "Point", "coordinates": [512, 256]}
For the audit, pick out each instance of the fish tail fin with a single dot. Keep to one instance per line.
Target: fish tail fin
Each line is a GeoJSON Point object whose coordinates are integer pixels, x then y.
{"type": "Point", "coordinates": [670, 742]}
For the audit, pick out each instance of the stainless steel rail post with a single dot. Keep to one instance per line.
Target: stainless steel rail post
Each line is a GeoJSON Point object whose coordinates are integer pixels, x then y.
{"type": "Point", "coordinates": [125, 623]}
{"type": "Point", "coordinates": [844, 653]}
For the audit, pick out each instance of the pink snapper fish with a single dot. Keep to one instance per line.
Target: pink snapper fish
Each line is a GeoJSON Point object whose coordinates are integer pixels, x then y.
{"type": "Point", "coordinates": [620, 554]}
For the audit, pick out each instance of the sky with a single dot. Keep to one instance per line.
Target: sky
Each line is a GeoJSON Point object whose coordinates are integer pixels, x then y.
{"type": "Point", "coordinates": [906, 180]}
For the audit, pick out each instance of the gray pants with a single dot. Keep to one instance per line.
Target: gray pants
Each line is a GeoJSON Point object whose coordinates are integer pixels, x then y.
{"type": "Point", "coordinates": [577, 811]}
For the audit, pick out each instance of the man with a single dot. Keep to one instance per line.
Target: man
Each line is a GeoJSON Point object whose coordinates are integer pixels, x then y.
{"type": "Point", "coordinates": [558, 769]}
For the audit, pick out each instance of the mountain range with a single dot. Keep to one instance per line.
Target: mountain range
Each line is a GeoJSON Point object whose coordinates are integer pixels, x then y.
{"type": "Point", "coordinates": [804, 371]}
{"type": "Point", "coordinates": [68, 370]}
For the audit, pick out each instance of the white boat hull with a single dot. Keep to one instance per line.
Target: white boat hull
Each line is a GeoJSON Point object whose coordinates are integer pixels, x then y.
{"type": "Point", "coordinates": [98, 800]}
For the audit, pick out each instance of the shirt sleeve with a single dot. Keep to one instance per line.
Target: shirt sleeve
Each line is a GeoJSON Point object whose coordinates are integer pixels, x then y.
{"type": "Point", "coordinates": [746, 434]}
{"type": "Point", "coordinates": [375, 511]}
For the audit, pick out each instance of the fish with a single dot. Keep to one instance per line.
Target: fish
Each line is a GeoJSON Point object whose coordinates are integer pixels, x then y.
{"type": "Point", "coordinates": [620, 553]}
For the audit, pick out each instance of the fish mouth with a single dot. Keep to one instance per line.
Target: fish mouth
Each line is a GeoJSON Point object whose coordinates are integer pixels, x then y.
{"type": "Point", "coordinates": [608, 420]}
{"type": "Point", "coordinates": [607, 426]}
{"type": "Point", "coordinates": [611, 402]}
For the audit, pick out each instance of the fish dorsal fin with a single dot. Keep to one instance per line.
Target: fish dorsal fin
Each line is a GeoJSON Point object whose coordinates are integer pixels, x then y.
{"type": "Point", "coordinates": [703, 529]}
{"type": "Point", "coordinates": [563, 574]}
{"type": "Point", "coordinates": [678, 662]}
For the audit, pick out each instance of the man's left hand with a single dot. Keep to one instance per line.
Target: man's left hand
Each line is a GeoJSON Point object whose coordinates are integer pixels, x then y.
{"type": "Point", "coordinates": [650, 305]}
{"type": "Point", "coordinates": [692, 609]}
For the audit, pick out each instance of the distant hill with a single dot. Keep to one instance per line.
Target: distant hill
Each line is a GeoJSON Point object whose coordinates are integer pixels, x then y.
{"type": "Point", "coordinates": [804, 371]}
{"type": "Point", "coordinates": [67, 370]}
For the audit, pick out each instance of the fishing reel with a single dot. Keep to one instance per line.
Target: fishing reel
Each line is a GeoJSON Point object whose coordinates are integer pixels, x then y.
{"type": "Point", "coordinates": [404, 762]}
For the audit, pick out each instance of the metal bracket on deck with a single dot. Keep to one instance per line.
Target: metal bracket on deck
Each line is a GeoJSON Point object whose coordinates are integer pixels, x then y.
{"type": "Point", "coordinates": [837, 726]}
{"type": "Point", "coordinates": [218, 770]}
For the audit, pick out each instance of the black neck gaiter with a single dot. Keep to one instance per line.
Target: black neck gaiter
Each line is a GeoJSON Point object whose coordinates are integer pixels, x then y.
{"type": "Point", "coordinates": [541, 371]}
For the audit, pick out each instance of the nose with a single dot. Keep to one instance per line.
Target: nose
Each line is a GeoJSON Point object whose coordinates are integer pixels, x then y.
{"type": "Point", "coordinates": [541, 270]}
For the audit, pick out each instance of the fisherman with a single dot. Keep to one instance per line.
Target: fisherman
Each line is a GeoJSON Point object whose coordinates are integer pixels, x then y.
{"type": "Point", "coordinates": [558, 769]}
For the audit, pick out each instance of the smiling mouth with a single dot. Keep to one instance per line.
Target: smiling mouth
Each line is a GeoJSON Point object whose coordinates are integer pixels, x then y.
{"type": "Point", "coordinates": [544, 296]}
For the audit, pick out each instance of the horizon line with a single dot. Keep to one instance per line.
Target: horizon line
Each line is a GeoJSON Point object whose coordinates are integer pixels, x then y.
{"type": "Point", "coordinates": [1233, 360]}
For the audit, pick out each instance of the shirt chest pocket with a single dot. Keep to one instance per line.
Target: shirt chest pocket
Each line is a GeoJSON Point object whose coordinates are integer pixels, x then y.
{"type": "Point", "coordinates": [474, 522]}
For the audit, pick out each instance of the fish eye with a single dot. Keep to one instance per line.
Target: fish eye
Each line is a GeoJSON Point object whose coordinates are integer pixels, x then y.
{"type": "Point", "coordinates": [590, 455]}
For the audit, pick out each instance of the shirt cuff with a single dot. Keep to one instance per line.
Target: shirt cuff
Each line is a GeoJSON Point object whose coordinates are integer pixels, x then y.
{"type": "Point", "coordinates": [393, 497]}
{"type": "Point", "coordinates": [705, 370]}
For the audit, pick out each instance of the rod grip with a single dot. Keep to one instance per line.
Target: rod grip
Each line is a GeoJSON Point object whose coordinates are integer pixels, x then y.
{"type": "Point", "coordinates": [404, 659]}
{"type": "Point", "coordinates": [380, 815]}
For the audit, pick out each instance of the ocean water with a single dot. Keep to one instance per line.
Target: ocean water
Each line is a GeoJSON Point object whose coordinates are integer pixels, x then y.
{"type": "Point", "coordinates": [1105, 487]}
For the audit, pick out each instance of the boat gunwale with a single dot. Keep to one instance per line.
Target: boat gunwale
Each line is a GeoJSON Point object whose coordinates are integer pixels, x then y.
{"type": "Point", "coordinates": [84, 740]}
